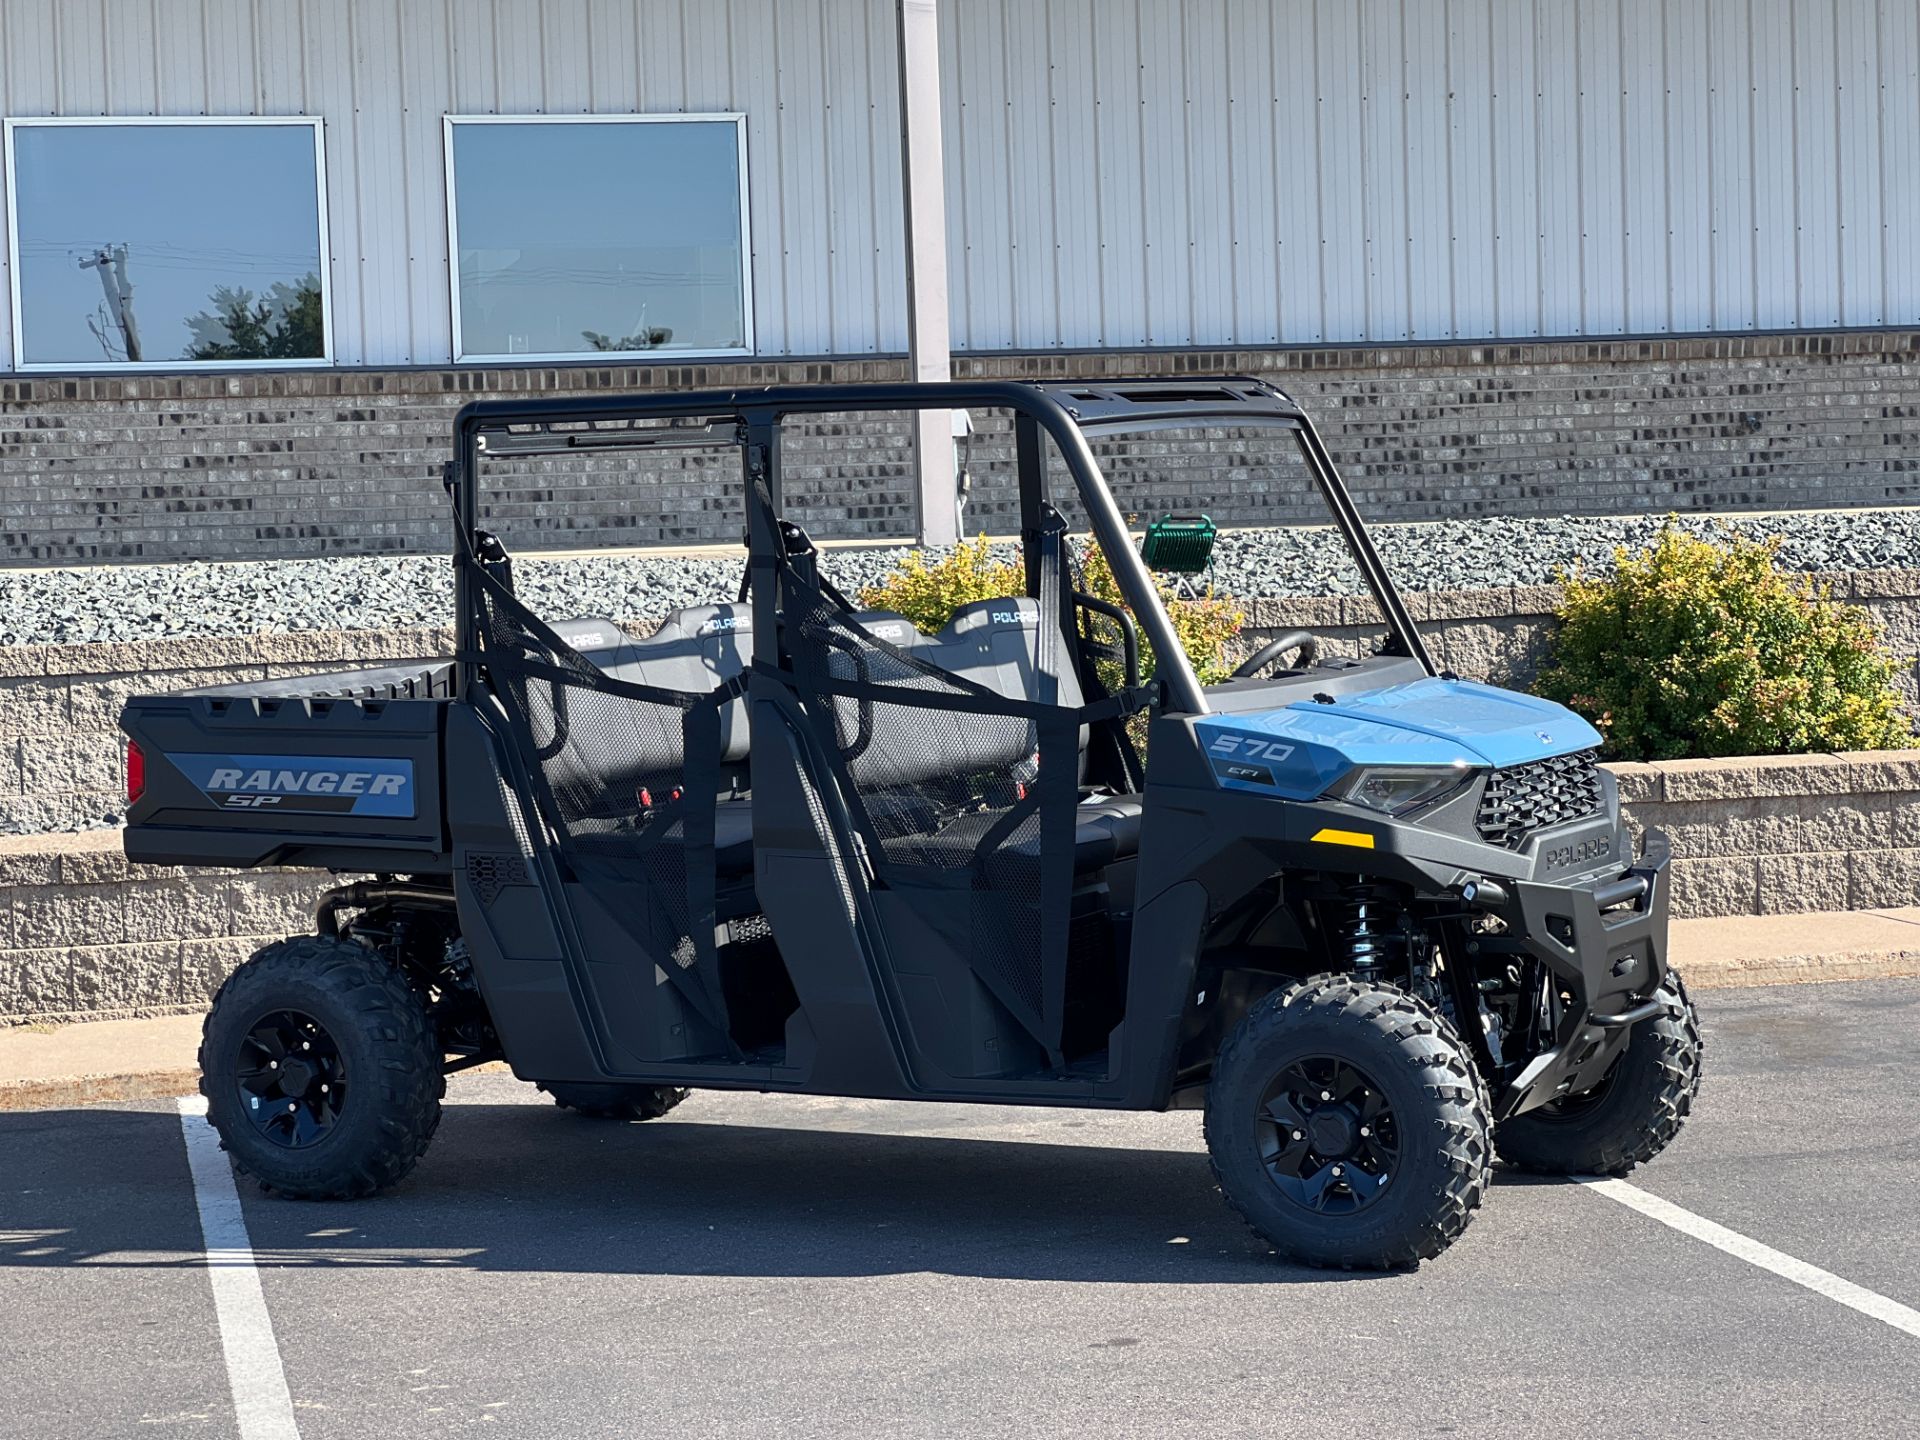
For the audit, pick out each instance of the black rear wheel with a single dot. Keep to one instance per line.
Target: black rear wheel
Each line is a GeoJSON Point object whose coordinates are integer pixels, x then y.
{"type": "Point", "coordinates": [1347, 1125]}
{"type": "Point", "coordinates": [293, 1080]}
{"type": "Point", "coordinates": [615, 1102]}
{"type": "Point", "coordinates": [320, 1070]}
{"type": "Point", "coordinates": [1631, 1115]}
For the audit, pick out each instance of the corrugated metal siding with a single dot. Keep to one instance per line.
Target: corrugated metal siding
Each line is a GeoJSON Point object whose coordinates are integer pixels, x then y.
{"type": "Point", "coordinates": [1122, 172]}
{"type": "Point", "coordinates": [817, 81]}
{"type": "Point", "coordinates": [1246, 173]}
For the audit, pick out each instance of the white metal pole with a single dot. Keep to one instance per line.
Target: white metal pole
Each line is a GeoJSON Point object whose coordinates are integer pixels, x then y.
{"type": "Point", "coordinates": [929, 356]}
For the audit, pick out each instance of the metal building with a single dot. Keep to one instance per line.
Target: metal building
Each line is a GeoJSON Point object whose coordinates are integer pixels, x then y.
{"type": "Point", "coordinates": [1394, 202]}
{"type": "Point", "coordinates": [1120, 173]}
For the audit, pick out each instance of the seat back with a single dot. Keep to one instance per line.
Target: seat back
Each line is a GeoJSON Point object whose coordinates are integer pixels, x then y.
{"type": "Point", "coordinates": [991, 643]}
{"type": "Point", "coordinates": [695, 650]}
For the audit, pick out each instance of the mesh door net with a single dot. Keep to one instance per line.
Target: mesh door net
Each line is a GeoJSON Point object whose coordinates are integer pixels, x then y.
{"type": "Point", "coordinates": [626, 777]}
{"type": "Point", "coordinates": [963, 795]}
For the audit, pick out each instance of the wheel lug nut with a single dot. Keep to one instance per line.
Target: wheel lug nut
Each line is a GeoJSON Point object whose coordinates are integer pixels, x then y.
{"type": "Point", "coordinates": [1298, 1135]}
{"type": "Point", "coordinates": [273, 1064]}
{"type": "Point", "coordinates": [1338, 1171]}
{"type": "Point", "coordinates": [1365, 1131]}
{"type": "Point", "coordinates": [1326, 1094]}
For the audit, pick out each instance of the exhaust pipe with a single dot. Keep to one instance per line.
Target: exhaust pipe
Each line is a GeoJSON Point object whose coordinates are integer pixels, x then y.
{"type": "Point", "coordinates": [363, 894]}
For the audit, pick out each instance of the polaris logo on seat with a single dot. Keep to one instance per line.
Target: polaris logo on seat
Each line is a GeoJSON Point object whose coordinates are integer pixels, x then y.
{"type": "Point", "coordinates": [1013, 617]}
{"type": "Point", "coordinates": [345, 786]}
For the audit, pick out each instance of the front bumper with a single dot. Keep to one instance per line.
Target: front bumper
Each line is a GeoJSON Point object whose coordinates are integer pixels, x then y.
{"type": "Point", "coordinates": [1605, 941]}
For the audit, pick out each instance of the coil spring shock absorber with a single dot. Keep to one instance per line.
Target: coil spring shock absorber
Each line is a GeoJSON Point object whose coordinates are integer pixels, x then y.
{"type": "Point", "coordinates": [1372, 930]}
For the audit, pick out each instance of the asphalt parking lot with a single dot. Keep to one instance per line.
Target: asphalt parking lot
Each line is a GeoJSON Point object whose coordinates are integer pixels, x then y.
{"type": "Point", "coordinates": [770, 1266]}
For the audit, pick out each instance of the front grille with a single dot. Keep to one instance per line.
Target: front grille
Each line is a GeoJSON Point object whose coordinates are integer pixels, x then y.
{"type": "Point", "coordinates": [1531, 797]}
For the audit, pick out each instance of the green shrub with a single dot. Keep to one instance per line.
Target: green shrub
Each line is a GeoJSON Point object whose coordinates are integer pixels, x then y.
{"type": "Point", "coordinates": [1205, 626]}
{"type": "Point", "coordinates": [1700, 649]}
{"type": "Point", "coordinates": [928, 594]}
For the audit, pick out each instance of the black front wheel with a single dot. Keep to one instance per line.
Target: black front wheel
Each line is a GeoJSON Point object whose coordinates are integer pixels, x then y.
{"type": "Point", "coordinates": [1631, 1115]}
{"type": "Point", "coordinates": [1348, 1126]}
{"type": "Point", "coordinates": [320, 1070]}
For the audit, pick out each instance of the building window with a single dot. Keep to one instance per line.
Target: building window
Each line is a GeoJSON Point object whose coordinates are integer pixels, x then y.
{"type": "Point", "coordinates": [589, 237]}
{"type": "Point", "coordinates": [180, 243]}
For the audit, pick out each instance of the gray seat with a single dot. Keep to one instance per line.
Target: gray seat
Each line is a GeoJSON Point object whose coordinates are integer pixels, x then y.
{"type": "Point", "coordinates": [912, 752]}
{"type": "Point", "coordinates": [1105, 829]}
{"type": "Point", "coordinates": [992, 643]}
{"type": "Point", "coordinates": [695, 650]}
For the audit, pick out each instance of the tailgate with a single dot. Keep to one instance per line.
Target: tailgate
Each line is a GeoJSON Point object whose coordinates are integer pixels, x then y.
{"type": "Point", "coordinates": [239, 778]}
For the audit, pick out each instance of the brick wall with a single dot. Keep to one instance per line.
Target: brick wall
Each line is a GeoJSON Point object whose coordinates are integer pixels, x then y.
{"type": "Point", "coordinates": [297, 463]}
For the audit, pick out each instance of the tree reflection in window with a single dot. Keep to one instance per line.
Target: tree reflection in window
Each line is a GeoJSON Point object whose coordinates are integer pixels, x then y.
{"type": "Point", "coordinates": [162, 242]}
{"type": "Point", "coordinates": [285, 324]}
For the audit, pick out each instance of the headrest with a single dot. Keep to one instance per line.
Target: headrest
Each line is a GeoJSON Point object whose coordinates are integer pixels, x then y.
{"type": "Point", "coordinates": [698, 622]}
{"type": "Point", "coordinates": [886, 625]}
{"type": "Point", "coordinates": [982, 617]}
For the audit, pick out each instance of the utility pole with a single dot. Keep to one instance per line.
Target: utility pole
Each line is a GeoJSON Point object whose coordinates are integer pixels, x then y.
{"type": "Point", "coordinates": [111, 262]}
{"type": "Point", "coordinates": [929, 355]}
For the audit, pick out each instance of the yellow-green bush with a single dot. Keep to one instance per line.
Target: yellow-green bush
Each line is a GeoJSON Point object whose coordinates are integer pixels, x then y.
{"type": "Point", "coordinates": [928, 594]}
{"type": "Point", "coordinates": [1205, 626]}
{"type": "Point", "coordinates": [1693, 648]}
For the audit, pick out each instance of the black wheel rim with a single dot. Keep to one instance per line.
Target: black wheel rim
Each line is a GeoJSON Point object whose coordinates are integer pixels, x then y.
{"type": "Point", "coordinates": [1327, 1136]}
{"type": "Point", "coordinates": [1578, 1107]}
{"type": "Point", "coordinates": [293, 1084]}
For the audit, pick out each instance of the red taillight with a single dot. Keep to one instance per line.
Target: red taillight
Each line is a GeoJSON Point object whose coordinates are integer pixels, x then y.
{"type": "Point", "coordinates": [136, 772]}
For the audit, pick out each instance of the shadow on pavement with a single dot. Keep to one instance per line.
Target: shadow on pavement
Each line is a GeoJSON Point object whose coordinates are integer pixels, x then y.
{"type": "Point", "coordinates": [79, 1185]}
{"type": "Point", "coordinates": [525, 1188]}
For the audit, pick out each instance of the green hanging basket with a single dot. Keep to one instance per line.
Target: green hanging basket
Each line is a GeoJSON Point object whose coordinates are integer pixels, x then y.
{"type": "Point", "coordinates": [1180, 544]}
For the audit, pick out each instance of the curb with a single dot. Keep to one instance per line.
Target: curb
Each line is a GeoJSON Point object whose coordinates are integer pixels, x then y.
{"type": "Point", "coordinates": [1717, 974]}
{"type": "Point", "coordinates": [61, 1092]}
{"type": "Point", "coordinates": [64, 1091]}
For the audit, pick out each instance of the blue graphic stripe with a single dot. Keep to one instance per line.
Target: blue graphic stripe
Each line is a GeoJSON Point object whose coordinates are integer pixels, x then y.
{"type": "Point", "coordinates": [335, 784]}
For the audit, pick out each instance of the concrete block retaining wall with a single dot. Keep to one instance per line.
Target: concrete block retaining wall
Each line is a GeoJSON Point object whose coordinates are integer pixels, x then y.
{"type": "Point", "coordinates": [82, 932]}
{"type": "Point", "coordinates": [62, 756]}
{"type": "Point", "coordinates": [1781, 834]}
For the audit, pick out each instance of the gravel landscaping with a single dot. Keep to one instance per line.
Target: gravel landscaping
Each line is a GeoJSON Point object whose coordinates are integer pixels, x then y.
{"type": "Point", "coordinates": [122, 603]}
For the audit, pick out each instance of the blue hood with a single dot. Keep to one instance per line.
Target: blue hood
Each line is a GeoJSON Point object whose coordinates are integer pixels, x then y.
{"type": "Point", "coordinates": [1501, 727]}
{"type": "Point", "coordinates": [1302, 749]}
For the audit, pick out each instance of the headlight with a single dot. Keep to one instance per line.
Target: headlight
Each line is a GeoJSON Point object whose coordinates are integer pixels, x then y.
{"type": "Point", "coordinates": [1398, 789]}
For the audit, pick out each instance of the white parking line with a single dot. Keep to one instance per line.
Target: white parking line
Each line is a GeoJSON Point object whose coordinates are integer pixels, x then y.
{"type": "Point", "coordinates": [254, 1374]}
{"type": "Point", "coordinates": [1741, 1247]}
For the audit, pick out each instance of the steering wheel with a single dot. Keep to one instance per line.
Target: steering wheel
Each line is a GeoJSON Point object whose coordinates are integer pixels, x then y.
{"type": "Point", "coordinates": [1300, 640]}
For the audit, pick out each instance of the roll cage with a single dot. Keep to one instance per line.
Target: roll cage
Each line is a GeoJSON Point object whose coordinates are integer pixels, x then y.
{"type": "Point", "coordinates": [1069, 414]}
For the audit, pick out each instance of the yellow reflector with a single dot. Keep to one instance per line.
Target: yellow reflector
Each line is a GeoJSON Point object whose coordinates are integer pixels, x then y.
{"type": "Point", "coordinates": [1359, 839]}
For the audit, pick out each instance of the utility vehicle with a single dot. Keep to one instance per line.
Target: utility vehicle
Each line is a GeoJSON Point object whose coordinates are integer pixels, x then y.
{"type": "Point", "coordinates": [1377, 920]}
